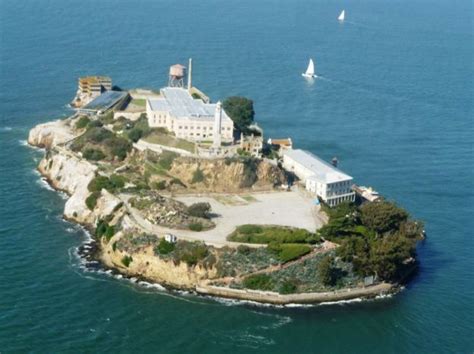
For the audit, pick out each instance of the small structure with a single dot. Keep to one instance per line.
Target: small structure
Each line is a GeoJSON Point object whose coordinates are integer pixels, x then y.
{"type": "Point", "coordinates": [321, 178]}
{"type": "Point", "coordinates": [171, 238]}
{"type": "Point", "coordinates": [280, 144]}
{"type": "Point", "coordinates": [252, 144]}
{"type": "Point", "coordinates": [368, 193]}
{"type": "Point", "coordinates": [176, 75]}
{"type": "Point", "coordinates": [89, 88]}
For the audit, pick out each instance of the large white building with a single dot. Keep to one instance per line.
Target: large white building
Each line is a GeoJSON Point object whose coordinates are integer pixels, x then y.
{"type": "Point", "coordinates": [326, 181]}
{"type": "Point", "coordinates": [189, 118]}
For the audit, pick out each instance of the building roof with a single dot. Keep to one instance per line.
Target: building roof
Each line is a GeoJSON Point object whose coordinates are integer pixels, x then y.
{"type": "Point", "coordinates": [282, 142]}
{"type": "Point", "coordinates": [105, 101]}
{"type": "Point", "coordinates": [323, 171]}
{"type": "Point", "coordinates": [181, 105]}
{"type": "Point", "coordinates": [94, 79]}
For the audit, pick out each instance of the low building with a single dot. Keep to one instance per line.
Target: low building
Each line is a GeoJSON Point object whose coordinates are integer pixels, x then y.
{"type": "Point", "coordinates": [91, 87]}
{"type": "Point", "coordinates": [320, 177]}
{"type": "Point", "coordinates": [367, 193]}
{"type": "Point", "coordinates": [281, 143]}
{"type": "Point", "coordinates": [189, 118]}
{"type": "Point", "coordinates": [252, 144]}
{"type": "Point", "coordinates": [171, 238]}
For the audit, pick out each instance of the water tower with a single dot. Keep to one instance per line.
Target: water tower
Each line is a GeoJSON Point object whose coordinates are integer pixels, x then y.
{"type": "Point", "coordinates": [177, 75]}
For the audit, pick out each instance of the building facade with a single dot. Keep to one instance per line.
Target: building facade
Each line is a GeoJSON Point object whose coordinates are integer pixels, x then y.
{"type": "Point", "coordinates": [187, 117]}
{"type": "Point", "coordinates": [320, 178]}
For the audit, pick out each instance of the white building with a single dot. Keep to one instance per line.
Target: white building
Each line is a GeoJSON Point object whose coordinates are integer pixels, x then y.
{"type": "Point", "coordinates": [187, 117]}
{"type": "Point", "coordinates": [326, 181]}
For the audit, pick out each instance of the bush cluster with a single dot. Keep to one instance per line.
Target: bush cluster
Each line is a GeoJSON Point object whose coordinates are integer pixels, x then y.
{"type": "Point", "coordinates": [91, 200]}
{"type": "Point", "coordinates": [93, 154]}
{"type": "Point", "coordinates": [198, 176]}
{"type": "Point", "coordinates": [112, 183]}
{"type": "Point", "coordinates": [265, 234]}
{"type": "Point", "coordinates": [165, 247]}
{"type": "Point", "coordinates": [258, 282]}
{"type": "Point", "coordinates": [105, 230]}
{"type": "Point", "coordinates": [199, 210]}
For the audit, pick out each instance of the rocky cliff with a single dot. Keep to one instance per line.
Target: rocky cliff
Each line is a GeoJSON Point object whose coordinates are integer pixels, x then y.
{"type": "Point", "coordinates": [227, 175]}
{"type": "Point", "coordinates": [50, 134]}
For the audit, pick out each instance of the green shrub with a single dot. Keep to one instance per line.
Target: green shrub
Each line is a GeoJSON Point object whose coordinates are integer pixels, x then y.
{"type": "Point", "coordinates": [200, 210]}
{"type": "Point", "coordinates": [161, 185]}
{"type": "Point", "coordinates": [91, 200]}
{"type": "Point", "coordinates": [82, 122]}
{"type": "Point", "coordinates": [288, 286]}
{"type": "Point", "coordinates": [165, 247]}
{"type": "Point", "coordinates": [326, 271]}
{"type": "Point", "coordinates": [191, 252]}
{"type": "Point", "coordinates": [111, 184]}
{"type": "Point", "coordinates": [244, 250]}
{"type": "Point", "coordinates": [198, 176]}
{"type": "Point", "coordinates": [93, 154]}
{"type": "Point", "coordinates": [166, 159]}
{"type": "Point", "coordinates": [258, 282]}
{"type": "Point", "coordinates": [287, 251]}
{"type": "Point", "coordinates": [104, 229]}
{"type": "Point", "coordinates": [126, 260]}
{"type": "Point", "coordinates": [196, 226]}
{"type": "Point", "coordinates": [95, 124]}
{"type": "Point", "coordinates": [135, 134]}
{"type": "Point", "coordinates": [119, 147]}
{"type": "Point", "coordinates": [117, 181]}
{"type": "Point", "coordinates": [178, 182]}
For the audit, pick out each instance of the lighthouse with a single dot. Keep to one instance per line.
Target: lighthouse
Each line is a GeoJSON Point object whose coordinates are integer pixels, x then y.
{"type": "Point", "coordinates": [217, 126]}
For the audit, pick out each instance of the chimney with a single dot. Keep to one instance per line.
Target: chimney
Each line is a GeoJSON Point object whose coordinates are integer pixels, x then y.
{"type": "Point", "coordinates": [190, 75]}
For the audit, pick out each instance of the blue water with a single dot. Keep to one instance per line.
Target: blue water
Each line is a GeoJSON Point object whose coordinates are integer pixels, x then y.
{"type": "Point", "coordinates": [394, 103]}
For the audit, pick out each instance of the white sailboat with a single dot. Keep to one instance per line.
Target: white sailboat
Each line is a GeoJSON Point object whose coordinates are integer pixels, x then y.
{"type": "Point", "coordinates": [342, 16]}
{"type": "Point", "coordinates": [310, 70]}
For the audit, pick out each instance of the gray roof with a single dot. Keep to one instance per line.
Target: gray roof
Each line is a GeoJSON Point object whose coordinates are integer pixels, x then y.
{"type": "Point", "coordinates": [323, 171]}
{"type": "Point", "coordinates": [180, 104]}
{"type": "Point", "coordinates": [105, 101]}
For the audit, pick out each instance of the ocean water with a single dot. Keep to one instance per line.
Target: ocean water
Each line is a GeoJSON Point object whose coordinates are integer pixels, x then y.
{"type": "Point", "coordinates": [394, 103]}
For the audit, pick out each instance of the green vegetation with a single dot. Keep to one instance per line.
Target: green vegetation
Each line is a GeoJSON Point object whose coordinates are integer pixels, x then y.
{"type": "Point", "coordinates": [258, 282]}
{"type": "Point", "coordinates": [166, 139]}
{"type": "Point", "coordinates": [199, 210]}
{"type": "Point", "coordinates": [138, 129]}
{"type": "Point", "coordinates": [160, 185]}
{"type": "Point", "coordinates": [326, 271]}
{"type": "Point", "coordinates": [240, 110]}
{"type": "Point", "coordinates": [138, 102]}
{"type": "Point", "coordinates": [165, 247]}
{"type": "Point", "coordinates": [82, 122]}
{"type": "Point", "coordinates": [286, 252]}
{"type": "Point", "coordinates": [190, 252]}
{"type": "Point", "coordinates": [377, 238]}
{"type": "Point", "coordinates": [126, 260]}
{"type": "Point", "coordinates": [105, 230]}
{"type": "Point", "coordinates": [265, 234]}
{"type": "Point", "coordinates": [195, 226]}
{"type": "Point", "coordinates": [166, 158]}
{"type": "Point", "coordinates": [112, 184]}
{"type": "Point", "coordinates": [97, 138]}
{"type": "Point", "coordinates": [289, 286]}
{"type": "Point", "coordinates": [91, 200]}
{"type": "Point", "coordinates": [93, 154]}
{"type": "Point", "coordinates": [198, 176]}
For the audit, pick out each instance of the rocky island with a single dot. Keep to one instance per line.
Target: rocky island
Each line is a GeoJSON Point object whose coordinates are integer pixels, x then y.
{"type": "Point", "coordinates": [185, 193]}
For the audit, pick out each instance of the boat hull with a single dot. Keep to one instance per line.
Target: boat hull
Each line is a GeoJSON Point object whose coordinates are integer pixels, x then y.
{"type": "Point", "coordinates": [309, 76]}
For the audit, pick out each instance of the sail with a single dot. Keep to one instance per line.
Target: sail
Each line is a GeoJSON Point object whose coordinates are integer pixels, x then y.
{"type": "Point", "coordinates": [310, 70]}
{"type": "Point", "coordinates": [342, 15]}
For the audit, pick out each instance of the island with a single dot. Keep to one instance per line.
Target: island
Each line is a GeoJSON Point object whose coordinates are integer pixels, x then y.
{"type": "Point", "coordinates": [188, 194]}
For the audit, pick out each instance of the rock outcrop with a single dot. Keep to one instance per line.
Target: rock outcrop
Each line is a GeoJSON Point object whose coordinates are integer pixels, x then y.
{"type": "Point", "coordinates": [51, 134]}
{"type": "Point", "coordinates": [227, 175]}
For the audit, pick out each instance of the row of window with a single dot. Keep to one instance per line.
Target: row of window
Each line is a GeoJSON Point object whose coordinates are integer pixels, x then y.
{"type": "Point", "coordinates": [198, 127]}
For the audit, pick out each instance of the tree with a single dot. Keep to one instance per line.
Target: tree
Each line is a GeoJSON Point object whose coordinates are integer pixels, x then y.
{"type": "Point", "coordinates": [240, 110]}
{"type": "Point", "coordinates": [326, 271]}
{"type": "Point", "coordinates": [199, 210]}
{"type": "Point", "coordinates": [383, 216]}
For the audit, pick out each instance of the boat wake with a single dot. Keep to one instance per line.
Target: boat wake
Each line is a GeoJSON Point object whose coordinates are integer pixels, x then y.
{"type": "Point", "coordinates": [5, 129]}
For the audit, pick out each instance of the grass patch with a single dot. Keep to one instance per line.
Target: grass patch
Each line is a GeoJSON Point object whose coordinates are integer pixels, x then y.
{"type": "Point", "coordinates": [286, 252]}
{"type": "Point", "coordinates": [141, 102]}
{"type": "Point", "coordinates": [265, 234]}
{"type": "Point", "coordinates": [161, 138]}
{"type": "Point", "coordinates": [165, 247]}
{"type": "Point", "coordinates": [197, 226]}
{"type": "Point", "coordinates": [126, 260]}
{"type": "Point", "coordinates": [198, 176]}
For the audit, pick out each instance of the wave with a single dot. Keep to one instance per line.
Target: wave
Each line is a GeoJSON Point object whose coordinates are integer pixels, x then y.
{"type": "Point", "coordinates": [43, 182]}
{"type": "Point", "coordinates": [5, 129]}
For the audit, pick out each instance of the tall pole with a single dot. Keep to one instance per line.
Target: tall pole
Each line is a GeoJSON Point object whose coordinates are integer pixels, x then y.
{"type": "Point", "coordinates": [190, 75]}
